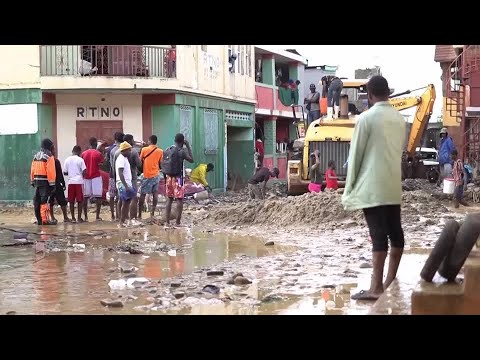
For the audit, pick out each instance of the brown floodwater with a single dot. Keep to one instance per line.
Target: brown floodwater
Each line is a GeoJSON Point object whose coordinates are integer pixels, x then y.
{"type": "Point", "coordinates": [74, 282]}
{"type": "Point", "coordinates": [62, 282]}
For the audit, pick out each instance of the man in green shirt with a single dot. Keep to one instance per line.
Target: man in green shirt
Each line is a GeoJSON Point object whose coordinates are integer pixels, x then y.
{"type": "Point", "coordinates": [374, 182]}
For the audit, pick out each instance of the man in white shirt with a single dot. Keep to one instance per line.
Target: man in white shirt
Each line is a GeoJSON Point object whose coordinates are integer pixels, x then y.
{"type": "Point", "coordinates": [75, 169]}
{"type": "Point", "coordinates": [124, 180]}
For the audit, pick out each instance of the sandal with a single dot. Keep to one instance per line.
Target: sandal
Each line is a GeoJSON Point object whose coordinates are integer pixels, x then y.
{"type": "Point", "coordinates": [364, 296]}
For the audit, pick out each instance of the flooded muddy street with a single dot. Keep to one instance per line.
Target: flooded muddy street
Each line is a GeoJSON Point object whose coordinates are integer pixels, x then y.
{"type": "Point", "coordinates": [234, 257]}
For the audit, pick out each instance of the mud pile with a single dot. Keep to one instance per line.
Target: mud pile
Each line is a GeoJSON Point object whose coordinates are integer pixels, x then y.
{"type": "Point", "coordinates": [306, 209]}
{"type": "Point", "coordinates": [422, 199]}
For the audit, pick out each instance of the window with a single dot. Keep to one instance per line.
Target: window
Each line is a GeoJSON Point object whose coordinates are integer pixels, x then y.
{"type": "Point", "coordinates": [241, 59]}
{"type": "Point", "coordinates": [204, 48]}
{"type": "Point", "coordinates": [186, 122]}
{"type": "Point", "coordinates": [210, 119]}
{"type": "Point", "coordinates": [248, 60]}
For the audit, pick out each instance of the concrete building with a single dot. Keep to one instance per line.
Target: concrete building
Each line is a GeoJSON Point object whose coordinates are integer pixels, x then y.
{"type": "Point", "coordinates": [367, 73]}
{"type": "Point", "coordinates": [274, 120]}
{"type": "Point", "coordinates": [460, 66]}
{"type": "Point", "coordinates": [72, 92]}
{"type": "Point", "coordinates": [314, 74]}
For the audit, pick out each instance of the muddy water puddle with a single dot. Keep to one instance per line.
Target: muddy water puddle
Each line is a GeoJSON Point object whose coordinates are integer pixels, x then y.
{"type": "Point", "coordinates": [76, 281]}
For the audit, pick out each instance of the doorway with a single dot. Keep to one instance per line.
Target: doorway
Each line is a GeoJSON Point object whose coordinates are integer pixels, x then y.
{"type": "Point", "coordinates": [102, 130]}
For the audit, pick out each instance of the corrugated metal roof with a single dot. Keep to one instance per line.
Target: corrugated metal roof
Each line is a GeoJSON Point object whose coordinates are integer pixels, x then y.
{"type": "Point", "coordinates": [444, 53]}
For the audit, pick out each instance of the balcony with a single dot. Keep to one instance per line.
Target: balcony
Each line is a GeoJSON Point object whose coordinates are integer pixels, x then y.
{"type": "Point", "coordinates": [131, 61]}
{"type": "Point", "coordinates": [268, 101]}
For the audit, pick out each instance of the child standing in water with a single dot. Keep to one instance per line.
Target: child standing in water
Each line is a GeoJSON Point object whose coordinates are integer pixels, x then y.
{"type": "Point", "coordinates": [330, 177]}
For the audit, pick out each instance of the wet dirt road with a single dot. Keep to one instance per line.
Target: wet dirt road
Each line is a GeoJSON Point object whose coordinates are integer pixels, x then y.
{"type": "Point", "coordinates": [294, 276]}
{"type": "Point", "coordinates": [305, 271]}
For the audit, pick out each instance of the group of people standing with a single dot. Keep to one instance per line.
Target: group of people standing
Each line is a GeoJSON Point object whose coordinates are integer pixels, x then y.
{"type": "Point", "coordinates": [331, 89]}
{"type": "Point", "coordinates": [125, 165]}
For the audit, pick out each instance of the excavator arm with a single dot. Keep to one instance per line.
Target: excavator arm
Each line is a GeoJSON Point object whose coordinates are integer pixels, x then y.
{"type": "Point", "coordinates": [424, 104]}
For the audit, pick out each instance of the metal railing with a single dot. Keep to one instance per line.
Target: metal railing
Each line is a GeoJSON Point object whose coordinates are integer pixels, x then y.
{"type": "Point", "coordinates": [107, 60]}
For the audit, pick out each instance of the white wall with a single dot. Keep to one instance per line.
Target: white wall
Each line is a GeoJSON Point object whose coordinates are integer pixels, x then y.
{"type": "Point", "coordinates": [66, 116]}
{"type": "Point", "coordinates": [20, 66]}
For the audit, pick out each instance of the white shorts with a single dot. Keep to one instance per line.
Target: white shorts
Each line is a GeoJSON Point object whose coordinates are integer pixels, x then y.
{"type": "Point", "coordinates": [93, 187]}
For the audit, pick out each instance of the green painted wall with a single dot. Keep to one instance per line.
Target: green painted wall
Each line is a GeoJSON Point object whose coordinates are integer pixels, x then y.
{"type": "Point", "coordinates": [165, 124]}
{"type": "Point", "coordinates": [16, 153]}
{"type": "Point", "coordinates": [240, 150]}
{"type": "Point", "coordinates": [270, 134]}
{"type": "Point", "coordinates": [217, 176]}
{"type": "Point", "coordinates": [212, 103]}
{"type": "Point", "coordinates": [21, 96]}
{"type": "Point", "coordinates": [268, 71]}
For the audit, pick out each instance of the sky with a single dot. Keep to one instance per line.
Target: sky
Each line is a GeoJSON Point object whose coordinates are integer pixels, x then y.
{"type": "Point", "coordinates": [405, 67]}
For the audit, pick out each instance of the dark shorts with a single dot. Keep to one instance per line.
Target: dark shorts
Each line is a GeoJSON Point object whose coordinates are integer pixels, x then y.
{"type": "Point", "coordinates": [75, 193]}
{"type": "Point", "coordinates": [384, 222]}
{"type": "Point", "coordinates": [59, 196]}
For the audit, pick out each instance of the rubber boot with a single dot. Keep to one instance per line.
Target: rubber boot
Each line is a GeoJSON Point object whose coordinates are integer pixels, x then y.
{"type": "Point", "coordinates": [336, 112]}
{"type": "Point", "coordinates": [329, 113]}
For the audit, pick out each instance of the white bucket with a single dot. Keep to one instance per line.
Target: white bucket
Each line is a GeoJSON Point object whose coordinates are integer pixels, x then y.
{"type": "Point", "coordinates": [448, 186]}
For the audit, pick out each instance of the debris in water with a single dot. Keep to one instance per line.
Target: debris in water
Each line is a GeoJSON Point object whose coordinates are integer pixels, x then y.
{"type": "Point", "coordinates": [127, 269]}
{"type": "Point", "coordinates": [175, 284]}
{"type": "Point", "coordinates": [117, 284]}
{"type": "Point", "coordinates": [136, 281]}
{"type": "Point", "coordinates": [112, 303]}
{"type": "Point", "coordinates": [271, 298]}
{"type": "Point", "coordinates": [11, 312]}
{"type": "Point", "coordinates": [365, 265]}
{"type": "Point", "coordinates": [179, 295]}
{"type": "Point", "coordinates": [269, 243]}
{"type": "Point", "coordinates": [328, 286]}
{"type": "Point", "coordinates": [78, 247]}
{"type": "Point", "coordinates": [240, 280]}
{"type": "Point", "coordinates": [215, 273]}
{"type": "Point", "coordinates": [211, 289]}
{"type": "Point", "coordinates": [172, 252]}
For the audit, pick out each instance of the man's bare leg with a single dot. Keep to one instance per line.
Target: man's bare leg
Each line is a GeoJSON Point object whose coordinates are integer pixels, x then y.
{"type": "Point", "coordinates": [179, 210]}
{"type": "Point", "coordinates": [133, 208]}
{"type": "Point", "coordinates": [393, 264]}
{"type": "Point", "coordinates": [65, 215]}
{"type": "Point", "coordinates": [80, 206]}
{"type": "Point", "coordinates": [154, 203]}
{"type": "Point", "coordinates": [112, 208]}
{"type": "Point", "coordinates": [85, 208]}
{"type": "Point", "coordinates": [120, 205]}
{"type": "Point", "coordinates": [168, 210]}
{"type": "Point", "coordinates": [141, 204]}
{"type": "Point", "coordinates": [99, 207]}
{"type": "Point", "coordinates": [125, 210]}
{"type": "Point", "coordinates": [72, 211]}
{"type": "Point", "coordinates": [376, 285]}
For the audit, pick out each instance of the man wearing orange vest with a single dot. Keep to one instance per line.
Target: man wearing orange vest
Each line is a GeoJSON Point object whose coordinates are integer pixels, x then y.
{"type": "Point", "coordinates": [43, 176]}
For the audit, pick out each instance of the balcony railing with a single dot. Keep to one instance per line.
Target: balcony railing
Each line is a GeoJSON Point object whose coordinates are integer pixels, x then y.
{"type": "Point", "coordinates": [107, 60]}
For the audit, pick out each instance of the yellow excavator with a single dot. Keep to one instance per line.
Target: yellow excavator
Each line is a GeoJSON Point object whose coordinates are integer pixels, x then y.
{"type": "Point", "coordinates": [332, 138]}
